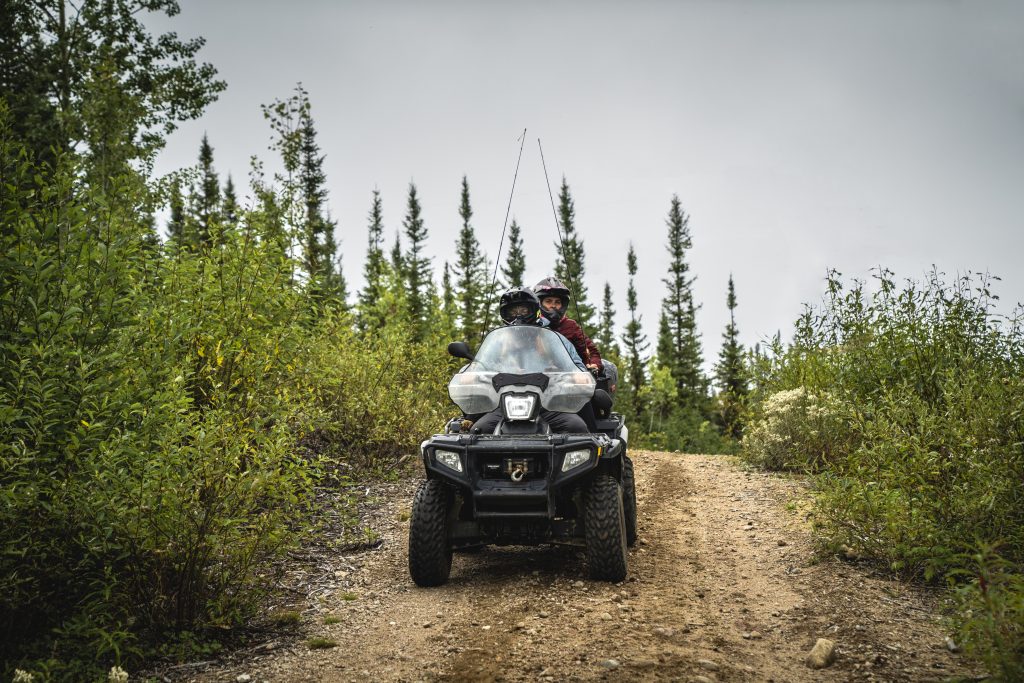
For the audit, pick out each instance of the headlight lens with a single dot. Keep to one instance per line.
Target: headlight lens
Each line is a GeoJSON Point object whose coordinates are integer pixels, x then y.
{"type": "Point", "coordinates": [575, 459]}
{"type": "Point", "coordinates": [449, 459]}
{"type": "Point", "coordinates": [519, 407]}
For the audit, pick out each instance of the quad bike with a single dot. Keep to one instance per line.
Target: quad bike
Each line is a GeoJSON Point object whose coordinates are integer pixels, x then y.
{"type": "Point", "coordinates": [523, 484]}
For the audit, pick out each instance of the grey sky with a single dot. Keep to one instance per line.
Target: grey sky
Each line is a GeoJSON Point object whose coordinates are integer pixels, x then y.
{"type": "Point", "coordinates": [799, 136]}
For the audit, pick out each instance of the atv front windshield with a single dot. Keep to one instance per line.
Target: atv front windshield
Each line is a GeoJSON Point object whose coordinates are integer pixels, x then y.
{"type": "Point", "coordinates": [522, 350]}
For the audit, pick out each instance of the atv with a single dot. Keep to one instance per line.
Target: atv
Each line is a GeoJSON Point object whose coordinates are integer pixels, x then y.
{"type": "Point", "coordinates": [523, 484]}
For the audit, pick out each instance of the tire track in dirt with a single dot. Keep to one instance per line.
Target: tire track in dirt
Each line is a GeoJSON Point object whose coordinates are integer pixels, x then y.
{"type": "Point", "coordinates": [724, 585]}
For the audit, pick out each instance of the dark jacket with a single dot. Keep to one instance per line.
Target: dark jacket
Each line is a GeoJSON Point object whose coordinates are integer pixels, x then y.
{"type": "Point", "coordinates": [571, 330]}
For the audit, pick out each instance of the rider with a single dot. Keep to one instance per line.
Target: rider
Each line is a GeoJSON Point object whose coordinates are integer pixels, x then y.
{"type": "Point", "coordinates": [554, 302]}
{"type": "Point", "coordinates": [521, 307]}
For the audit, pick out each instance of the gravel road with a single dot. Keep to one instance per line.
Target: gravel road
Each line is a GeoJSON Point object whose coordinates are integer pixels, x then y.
{"type": "Point", "coordinates": [724, 585]}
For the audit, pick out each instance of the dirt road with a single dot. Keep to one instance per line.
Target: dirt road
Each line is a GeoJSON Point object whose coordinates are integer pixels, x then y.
{"type": "Point", "coordinates": [724, 585]}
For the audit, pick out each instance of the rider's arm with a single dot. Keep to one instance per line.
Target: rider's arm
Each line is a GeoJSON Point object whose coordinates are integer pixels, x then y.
{"type": "Point", "coordinates": [583, 344]}
{"type": "Point", "coordinates": [572, 352]}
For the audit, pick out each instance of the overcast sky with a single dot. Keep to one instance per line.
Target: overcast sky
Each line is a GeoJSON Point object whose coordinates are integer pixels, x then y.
{"type": "Point", "coordinates": [799, 136]}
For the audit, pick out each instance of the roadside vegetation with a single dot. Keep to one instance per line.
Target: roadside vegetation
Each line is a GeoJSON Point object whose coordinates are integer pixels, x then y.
{"type": "Point", "coordinates": [907, 403]}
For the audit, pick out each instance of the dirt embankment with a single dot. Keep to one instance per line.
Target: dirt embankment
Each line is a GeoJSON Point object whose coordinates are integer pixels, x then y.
{"type": "Point", "coordinates": [723, 586]}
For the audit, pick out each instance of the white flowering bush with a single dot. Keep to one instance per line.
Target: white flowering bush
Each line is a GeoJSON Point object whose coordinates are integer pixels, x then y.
{"type": "Point", "coordinates": [797, 430]}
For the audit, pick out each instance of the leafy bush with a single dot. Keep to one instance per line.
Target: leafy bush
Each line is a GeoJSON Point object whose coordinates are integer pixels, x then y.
{"type": "Point", "coordinates": [922, 452]}
{"type": "Point", "coordinates": [990, 613]}
{"type": "Point", "coordinates": [798, 430]}
{"type": "Point", "coordinates": [148, 471]}
{"type": "Point", "coordinates": [375, 396]}
{"type": "Point", "coordinates": [157, 408]}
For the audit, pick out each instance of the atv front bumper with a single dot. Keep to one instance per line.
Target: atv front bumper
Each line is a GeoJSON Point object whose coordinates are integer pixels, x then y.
{"type": "Point", "coordinates": [517, 477]}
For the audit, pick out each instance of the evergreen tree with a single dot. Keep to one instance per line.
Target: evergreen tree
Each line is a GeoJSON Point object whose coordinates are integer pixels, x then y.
{"type": "Point", "coordinates": [320, 251]}
{"type": "Point", "coordinates": [176, 222]}
{"type": "Point", "coordinates": [398, 258]}
{"type": "Point", "coordinates": [471, 282]}
{"type": "Point", "coordinates": [731, 374]}
{"type": "Point", "coordinates": [570, 267]}
{"type": "Point", "coordinates": [229, 206]}
{"type": "Point", "coordinates": [515, 262]}
{"type": "Point", "coordinates": [449, 304]}
{"type": "Point", "coordinates": [606, 327]}
{"type": "Point", "coordinates": [418, 276]}
{"type": "Point", "coordinates": [634, 342]}
{"type": "Point", "coordinates": [335, 289]}
{"type": "Point", "coordinates": [678, 340]}
{"type": "Point", "coordinates": [206, 202]}
{"type": "Point", "coordinates": [374, 270]}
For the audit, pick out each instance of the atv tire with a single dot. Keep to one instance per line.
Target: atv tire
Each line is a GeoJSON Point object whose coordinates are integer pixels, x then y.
{"type": "Point", "coordinates": [629, 500]}
{"type": "Point", "coordinates": [430, 555]}
{"type": "Point", "coordinates": [605, 526]}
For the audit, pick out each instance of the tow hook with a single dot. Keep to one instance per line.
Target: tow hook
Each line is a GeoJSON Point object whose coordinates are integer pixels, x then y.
{"type": "Point", "coordinates": [518, 473]}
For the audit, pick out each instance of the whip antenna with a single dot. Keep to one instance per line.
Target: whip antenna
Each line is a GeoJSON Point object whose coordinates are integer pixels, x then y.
{"type": "Point", "coordinates": [558, 229]}
{"type": "Point", "coordinates": [497, 258]}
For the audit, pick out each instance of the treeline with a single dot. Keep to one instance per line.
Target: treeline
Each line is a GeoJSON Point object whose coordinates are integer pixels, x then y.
{"type": "Point", "coordinates": [171, 396]}
{"type": "Point", "coordinates": [669, 400]}
{"type": "Point", "coordinates": [907, 404]}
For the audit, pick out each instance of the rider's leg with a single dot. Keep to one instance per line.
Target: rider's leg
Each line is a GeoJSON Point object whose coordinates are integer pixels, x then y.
{"type": "Point", "coordinates": [487, 423]}
{"type": "Point", "coordinates": [566, 423]}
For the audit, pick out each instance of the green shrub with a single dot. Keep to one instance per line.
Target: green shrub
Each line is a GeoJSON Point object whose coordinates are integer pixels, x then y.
{"type": "Point", "coordinates": [797, 430]}
{"type": "Point", "coordinates": [920, 446]}
{"type": "Point", "coordinates": [376, 396]}
{"type": "Point", "coordinates": [990, 613]}
{"type": "Point", "coordinates": [166, 414]}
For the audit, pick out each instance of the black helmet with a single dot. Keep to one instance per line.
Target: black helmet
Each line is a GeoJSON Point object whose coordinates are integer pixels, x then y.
{"type": "Point", "coordinates": [520, 306]}
{"type": "Point", "coordinates": [552, 286]}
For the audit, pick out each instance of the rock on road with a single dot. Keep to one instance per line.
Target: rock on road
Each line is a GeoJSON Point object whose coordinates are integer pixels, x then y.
{"type": "Point", "coordinates": [724, 585]}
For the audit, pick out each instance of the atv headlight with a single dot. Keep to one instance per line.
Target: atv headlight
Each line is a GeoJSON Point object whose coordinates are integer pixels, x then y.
{"type": "Point", "coordinates": [519, 406]}
{"type": "Point", "coordinates": [575, 459]}
{"type": "Point", "coordinates": [449, 459]}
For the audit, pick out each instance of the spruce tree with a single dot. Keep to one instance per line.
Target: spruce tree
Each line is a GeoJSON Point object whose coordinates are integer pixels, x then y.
{"type": "Point", "coordinates": [374, 270]}
{"type": "Point", "coordinates": [471, 283]}
{"type": "Point", "coordinates": [634, 341]}
{"type": "Point", "coordinates": [229, 205]}
{"type": "Point", "coordinates": [731, 374]}
{"type": "Point", "coordinates": [398, 258]}
{"type": "Point", "coordinates": [449, 304]}
{"type": "Point", "coordinates": [417, 267]}
{"type": "Point", "coordinates": [678, 340]}
{"type": "Point", "coordinates": [207, 200]}
{"type": "Point", "coordinates": [176, 222]}
{"type": "Point", "coordinates": [515, 261]}
{"type": "Point", "coordinates": [605, 336]}
{"type": "Point", "coordinates": [320, 250]}
{"type": "Point", "coordinates": [570, 267]}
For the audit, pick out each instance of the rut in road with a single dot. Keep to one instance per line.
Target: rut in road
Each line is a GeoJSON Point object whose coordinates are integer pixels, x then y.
{"type": "Point", "coordinates": [724, 584]}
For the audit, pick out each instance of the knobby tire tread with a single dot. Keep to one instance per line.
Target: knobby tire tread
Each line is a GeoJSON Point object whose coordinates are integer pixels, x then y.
{"type": "Point", "coordinates": [430, 556]}
{"type": "Point", "coordinates": [629, 500]}
{"type": "Point", "coordinates": [605, 527]}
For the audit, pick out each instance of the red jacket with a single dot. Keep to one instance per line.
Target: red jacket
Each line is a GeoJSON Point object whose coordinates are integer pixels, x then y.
{"type": "Point", "coordinates": [571, 330]}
